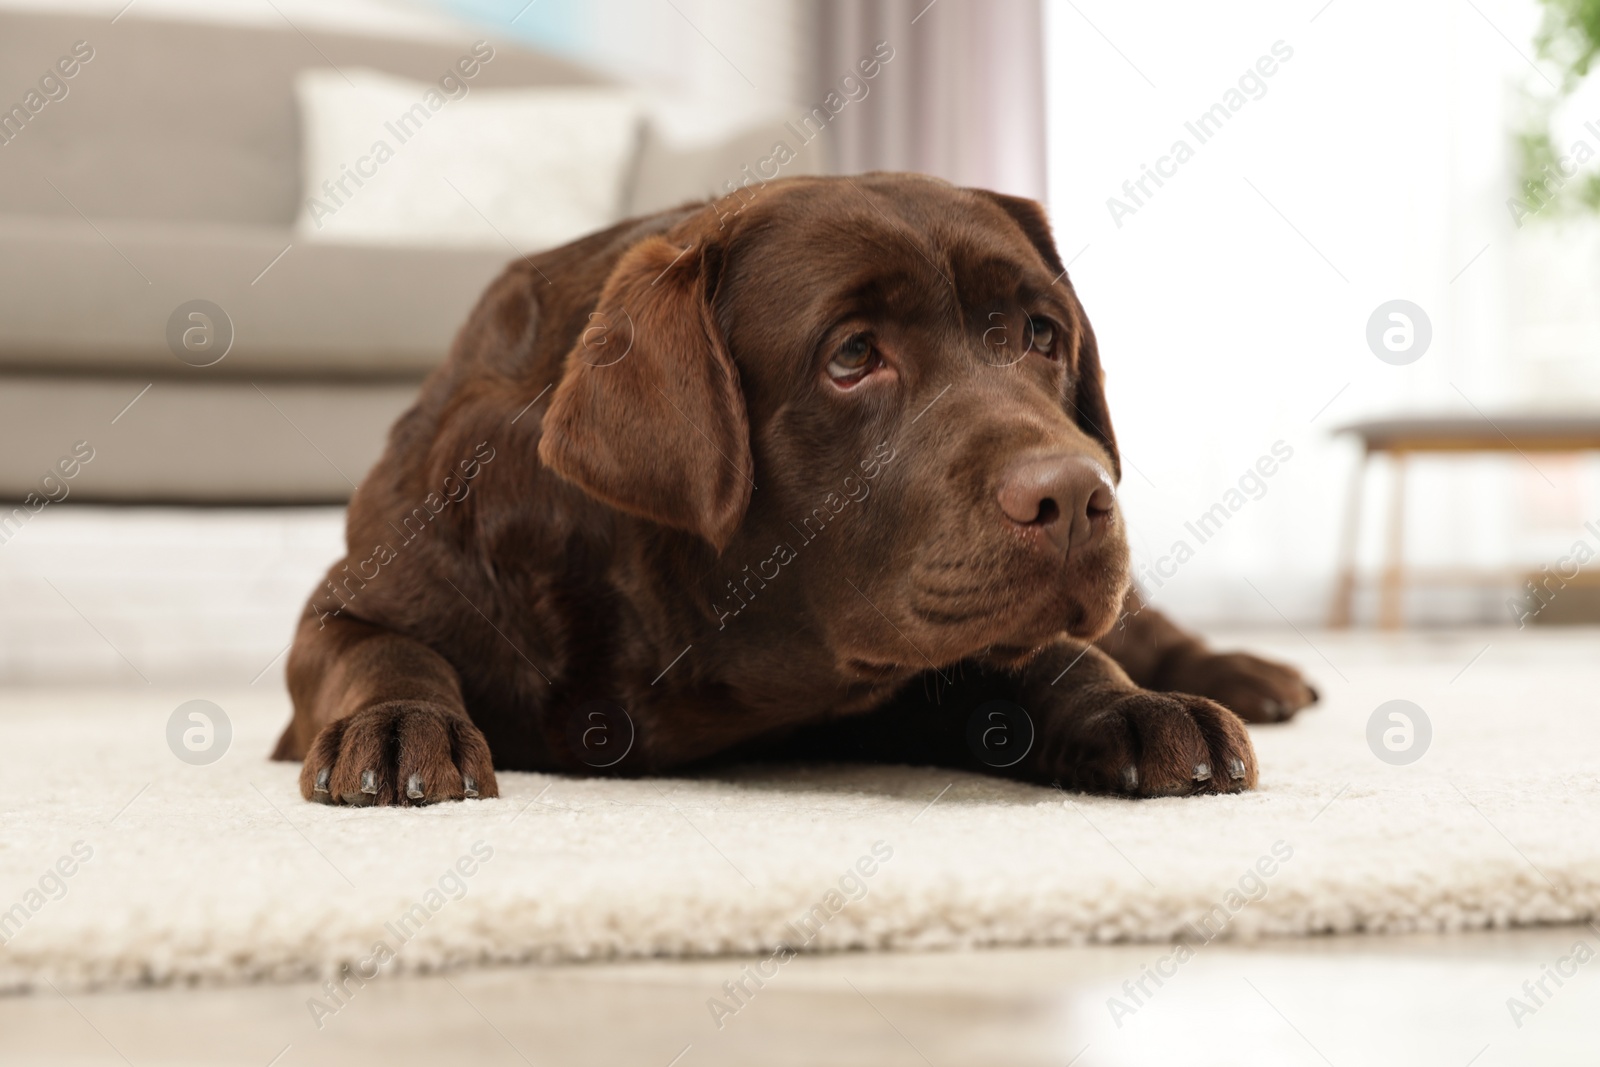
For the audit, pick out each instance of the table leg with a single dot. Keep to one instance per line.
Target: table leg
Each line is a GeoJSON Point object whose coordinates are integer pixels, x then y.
{"type": "Point", "coordinates": [1344, 593]}
{"type": "Point", "coordinates": [1390, 608]}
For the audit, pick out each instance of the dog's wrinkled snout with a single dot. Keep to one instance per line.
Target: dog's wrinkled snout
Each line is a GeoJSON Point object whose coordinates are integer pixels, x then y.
{"type": "Point", "coordinates": [1067, 496]}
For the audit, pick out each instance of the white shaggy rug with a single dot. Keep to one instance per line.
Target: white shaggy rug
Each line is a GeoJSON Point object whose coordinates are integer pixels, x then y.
{"type": "Point", "coordinates": [121, 864]}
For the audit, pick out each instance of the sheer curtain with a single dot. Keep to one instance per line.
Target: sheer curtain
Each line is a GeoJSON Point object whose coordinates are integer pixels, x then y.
{"type": "Point", "coordinates": [963, 97]}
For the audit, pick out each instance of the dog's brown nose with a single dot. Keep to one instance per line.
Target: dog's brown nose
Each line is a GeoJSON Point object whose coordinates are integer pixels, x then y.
{"type": "Point", "coordinates": [1068, 496]}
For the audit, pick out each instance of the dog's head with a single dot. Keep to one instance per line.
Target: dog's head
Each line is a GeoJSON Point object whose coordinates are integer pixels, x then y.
{"type": "Point", "coordinates": [878, 400]}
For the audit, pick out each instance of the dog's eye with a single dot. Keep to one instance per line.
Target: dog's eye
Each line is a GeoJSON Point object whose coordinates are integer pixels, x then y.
{"type": "Point", "coordinates": [1042, 335]}
{"type": "Point", "coordinates": [854, 360]}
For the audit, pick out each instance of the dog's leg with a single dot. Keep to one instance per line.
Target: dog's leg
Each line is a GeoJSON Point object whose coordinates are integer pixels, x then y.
{"type": "Point", "coordinates": [1096, 729]}
{"type": "Point", "coordinates": [379, 719]}
{"type": "Point", "coordinates": [1159, 655]}
{"type": "Point", "coordinates": [1072, 717]}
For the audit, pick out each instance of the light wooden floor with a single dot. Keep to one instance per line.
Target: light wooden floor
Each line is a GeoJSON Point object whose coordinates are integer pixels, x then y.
{"type": "Point", "coordinates": [1415, 1000]}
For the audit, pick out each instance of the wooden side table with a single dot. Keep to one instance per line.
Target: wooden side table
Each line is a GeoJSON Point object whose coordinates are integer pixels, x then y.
{"type": "Point", "coordinates": [1399, 439]}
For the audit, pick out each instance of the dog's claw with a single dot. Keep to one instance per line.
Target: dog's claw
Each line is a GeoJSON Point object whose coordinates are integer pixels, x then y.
{"type": "Point", "coordinates": [1274, 708]}
{"type": "Point", "coordinates": [369, 782]}
{"type": "Point", "coordinates": [1236, 768]}
{"type": "Point", "coordinates": [322, 780]}
{"type": "Point", "coordinates": [1130, 778]}
{"type": "Point", "coordinates": [414, 787]}
{"type": "Point", "coordinates": [469, 787]}
{"type": "Point", "coordinates": [1202, 772]}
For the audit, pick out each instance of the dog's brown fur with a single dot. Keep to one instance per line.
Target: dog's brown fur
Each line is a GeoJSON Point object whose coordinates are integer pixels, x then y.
{"type": "Point", "coordinates": [634, 510]}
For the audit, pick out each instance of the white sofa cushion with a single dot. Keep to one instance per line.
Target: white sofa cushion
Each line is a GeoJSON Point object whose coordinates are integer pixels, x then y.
{"type": "Point", "coordinates": [388, 160]}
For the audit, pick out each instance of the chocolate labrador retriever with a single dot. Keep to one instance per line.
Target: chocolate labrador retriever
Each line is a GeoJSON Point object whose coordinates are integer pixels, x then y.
{"type": "Point", "coordinates": [819, 470]}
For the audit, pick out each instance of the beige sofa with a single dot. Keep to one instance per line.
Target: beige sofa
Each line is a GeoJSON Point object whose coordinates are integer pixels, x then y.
{"type": "Point", "coordinates": [169, 172]}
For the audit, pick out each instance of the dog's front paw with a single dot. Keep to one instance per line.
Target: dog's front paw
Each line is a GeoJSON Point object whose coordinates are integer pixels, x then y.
{"type": "Point", "coordinates": [1158, 744]}
{"type": "Point", "coordinates": [403, 752]}
{"type": "Point", "coordinates": [1256, 689]}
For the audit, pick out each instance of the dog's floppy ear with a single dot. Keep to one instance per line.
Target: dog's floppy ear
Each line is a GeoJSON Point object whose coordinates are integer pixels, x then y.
{"type": "Point", "coordinates": [1089, 400]}
{"type": "Point", "coordinates": [649, 416]}
{"type": "Point", "coordinates": [1089, 405]}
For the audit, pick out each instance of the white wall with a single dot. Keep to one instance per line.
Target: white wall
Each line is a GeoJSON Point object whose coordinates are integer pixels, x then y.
{"type": "Point", "coordinates": [1232, 306]}
{"type": "Point", "coordinates": [394, 18]}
